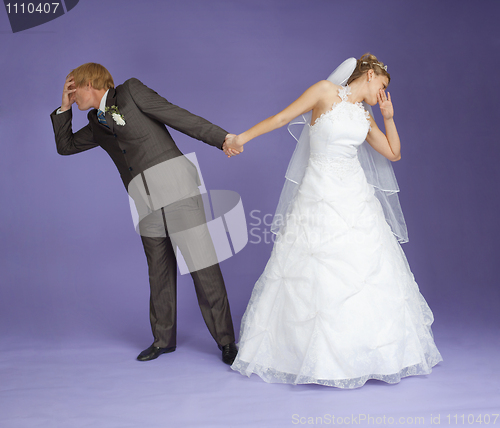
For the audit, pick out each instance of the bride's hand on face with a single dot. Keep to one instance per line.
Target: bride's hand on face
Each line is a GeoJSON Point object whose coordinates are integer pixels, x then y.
{"type": "Point", "coordinates": [385, 104]}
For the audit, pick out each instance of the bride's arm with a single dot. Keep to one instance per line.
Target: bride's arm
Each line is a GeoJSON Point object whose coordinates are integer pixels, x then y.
{"type": "Point", "coordinates": [387, 144]}
{"type": "Point", "coordinates": [307, 101]}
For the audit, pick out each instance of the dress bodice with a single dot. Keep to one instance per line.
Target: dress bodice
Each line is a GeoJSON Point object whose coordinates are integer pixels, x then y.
{"type": "Point", "coordinates": [341, 130]}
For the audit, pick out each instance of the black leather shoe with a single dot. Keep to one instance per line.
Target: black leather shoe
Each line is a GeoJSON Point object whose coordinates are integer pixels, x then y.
{"type": "Point", "coordinates": [154, 352]}
{"type": "Point", "coordinates": [229, 352]}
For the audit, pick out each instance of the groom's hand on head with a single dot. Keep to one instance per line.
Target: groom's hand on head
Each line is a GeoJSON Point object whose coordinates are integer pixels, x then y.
{"type": "Point", "coordinates": [68, 97]}
{"type": "Point", "coordinates": [231, 146]}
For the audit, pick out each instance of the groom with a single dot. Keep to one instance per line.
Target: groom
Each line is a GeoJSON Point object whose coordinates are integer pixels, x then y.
{"type": "Point", "coordinates": [128, 122]}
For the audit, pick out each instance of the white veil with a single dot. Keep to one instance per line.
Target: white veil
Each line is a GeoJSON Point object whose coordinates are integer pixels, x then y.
{"type": "Point", "coordinates": [377, 168]}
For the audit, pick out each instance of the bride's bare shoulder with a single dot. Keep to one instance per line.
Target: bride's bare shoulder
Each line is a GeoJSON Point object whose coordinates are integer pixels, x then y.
{"type": "Point", "coordinates": [329, 91]}
{"type": "Point", "coordinates": [328, 88]}
{"type": "Point", "coordinates": [327, 85]}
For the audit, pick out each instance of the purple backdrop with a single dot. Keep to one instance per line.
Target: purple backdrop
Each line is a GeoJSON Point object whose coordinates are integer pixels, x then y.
{"type": "Point", "coordinates": [72, 267]}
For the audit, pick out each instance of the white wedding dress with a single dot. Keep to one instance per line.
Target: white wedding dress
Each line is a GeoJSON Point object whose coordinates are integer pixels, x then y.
{"type": "Point", "coordinates": [337, 303]}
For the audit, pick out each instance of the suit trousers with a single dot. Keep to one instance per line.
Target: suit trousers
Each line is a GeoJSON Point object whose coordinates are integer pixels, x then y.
{"type": "Point", "coordinates": [183, 224]}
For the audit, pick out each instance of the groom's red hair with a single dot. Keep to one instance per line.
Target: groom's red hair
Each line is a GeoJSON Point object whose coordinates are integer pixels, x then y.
{"type": "Point", "coordinates": [98, 75]}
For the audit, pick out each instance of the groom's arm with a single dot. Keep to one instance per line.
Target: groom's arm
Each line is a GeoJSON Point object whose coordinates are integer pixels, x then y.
{"type": "Point", "coordinates": [67, 142]}
{"type": "Point", "coordinates": [158, 108]}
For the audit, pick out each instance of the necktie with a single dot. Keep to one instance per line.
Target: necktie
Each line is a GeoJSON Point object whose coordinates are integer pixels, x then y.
{"type": "Point", "coordinates": [101, 118]}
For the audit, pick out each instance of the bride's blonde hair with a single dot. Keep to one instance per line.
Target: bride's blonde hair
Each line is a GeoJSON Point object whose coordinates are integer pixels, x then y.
{"type": "Point", "coordinates": [369, 62]}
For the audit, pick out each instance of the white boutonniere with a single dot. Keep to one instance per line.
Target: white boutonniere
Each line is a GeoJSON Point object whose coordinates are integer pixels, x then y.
{"type": "Point", "coordinates": [116, 115]}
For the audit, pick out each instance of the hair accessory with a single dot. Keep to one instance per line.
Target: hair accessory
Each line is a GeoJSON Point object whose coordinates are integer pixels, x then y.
{"type": "Point", "coordinates": [376, 63]}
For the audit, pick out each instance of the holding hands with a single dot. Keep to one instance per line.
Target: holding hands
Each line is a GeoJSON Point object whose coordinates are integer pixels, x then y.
{"type": "Point", "coordinates": [233, 145]}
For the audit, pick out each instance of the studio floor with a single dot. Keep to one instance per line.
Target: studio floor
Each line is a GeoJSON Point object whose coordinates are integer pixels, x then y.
{"type": "Point", "coordinates": [99, 384]}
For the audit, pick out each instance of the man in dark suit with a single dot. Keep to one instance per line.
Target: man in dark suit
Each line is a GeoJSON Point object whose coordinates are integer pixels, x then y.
{"type": "Point", "coordinates": [128, 122]}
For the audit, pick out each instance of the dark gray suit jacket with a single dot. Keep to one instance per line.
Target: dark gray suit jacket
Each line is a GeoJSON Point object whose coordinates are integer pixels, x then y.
{"type": "Point", "coordinates": [143, 141]}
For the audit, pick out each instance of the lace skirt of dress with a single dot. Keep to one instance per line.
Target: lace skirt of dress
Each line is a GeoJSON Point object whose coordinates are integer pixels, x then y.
{"type": "Point", "coordinates": [337, 303]}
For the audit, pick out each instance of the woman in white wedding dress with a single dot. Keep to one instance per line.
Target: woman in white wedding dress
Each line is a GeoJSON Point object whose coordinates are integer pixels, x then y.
{"type": "Point", "coordinates": [337, 303]}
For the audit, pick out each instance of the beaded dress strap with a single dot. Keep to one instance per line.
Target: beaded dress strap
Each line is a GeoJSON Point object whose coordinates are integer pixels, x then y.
{"type": "Point", "coordinates": [344, 91]}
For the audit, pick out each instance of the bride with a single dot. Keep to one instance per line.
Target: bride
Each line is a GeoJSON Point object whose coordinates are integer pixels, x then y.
{"type": "Point", "coordinates": [337, 303]}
